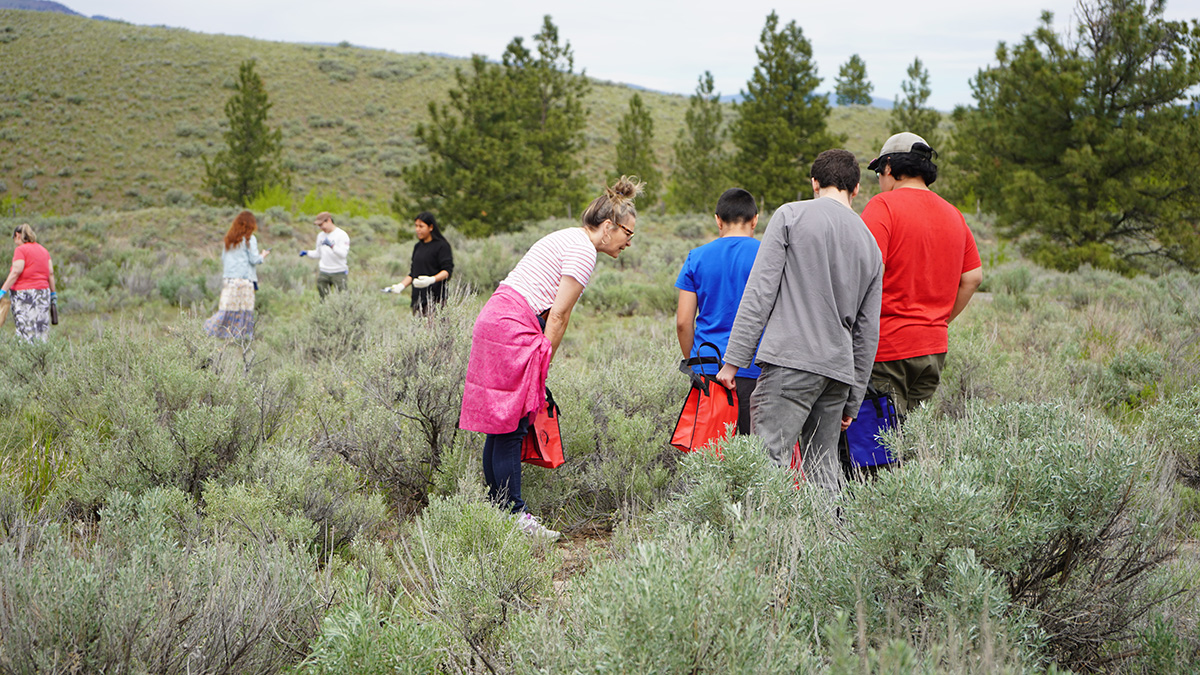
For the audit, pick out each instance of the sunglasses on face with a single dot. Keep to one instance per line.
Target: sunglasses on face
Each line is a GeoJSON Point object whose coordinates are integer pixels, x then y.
{"type": "Point", "coordinates": [627, 231]}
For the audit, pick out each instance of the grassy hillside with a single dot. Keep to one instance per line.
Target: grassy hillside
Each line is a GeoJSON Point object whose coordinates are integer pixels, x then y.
{"type": "Point", "coordinates": [101, 114]}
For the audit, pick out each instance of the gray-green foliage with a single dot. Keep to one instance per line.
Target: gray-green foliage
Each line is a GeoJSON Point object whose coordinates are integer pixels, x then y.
{"type": "Point", "coordinates": [744, 570]}
{"type": "Point", "coordinates": [141, 415]}
{"type": "Point", "coordinates": [401, 425]}
{"type": "Point", "coordinates": [617, 414]}
{"type": "Point", "coordinates": [141, 598]}
{"type": "Point", "coordinates": [1173, 426]}
{"type": "Point", "coordinates": [675, 604]}
{"type": "Point", "coordinates": [311, 499]}
{"type": "Point", "coordinates": [1068, 513]}
{"type": "Point", "coordinates": [472, 572]}
{"type": "Point", "coordinates": [911, 111]}
{"type": "Point", "coordinates": [137, 416]}
{"type": "Point", "coordinates": [1019, 531]}
{"type": "Point", "coordinates": [374, 635]}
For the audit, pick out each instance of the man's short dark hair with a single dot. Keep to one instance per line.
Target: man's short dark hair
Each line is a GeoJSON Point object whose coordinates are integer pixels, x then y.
{"type": "Point", "coordinates": [736, 206]}
{"type": "Point", "coordinates": [912, 165]}
{"type": "Point", "coordinates": [836, 168]}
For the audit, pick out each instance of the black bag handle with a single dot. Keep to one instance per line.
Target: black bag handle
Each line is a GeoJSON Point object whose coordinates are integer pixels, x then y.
{"type": "Point", "coordinates": [699, 379]}
{"type": "Point", "coordinates": [702, 361]}
{"type": "Point", "coordinates": [551, 405]}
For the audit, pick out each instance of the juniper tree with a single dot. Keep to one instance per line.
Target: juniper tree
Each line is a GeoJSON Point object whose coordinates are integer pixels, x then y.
{"type": "Point", "coordinates": [853, 88]}
{"type": "Point", "coordinates": [698, 176]}
{"type": "Point", "coordinates": [252, 159]}
{"type": "Point", "coordinates": [1086, 146]}
{"type": "Point", "coordinates": [635, 149]}
{"type": "Point", "coordinates": [780, 127]}
{"type": "Point", "coordinates": [505, 149]}
{"type": "Point", "coordinates": [911, 112]}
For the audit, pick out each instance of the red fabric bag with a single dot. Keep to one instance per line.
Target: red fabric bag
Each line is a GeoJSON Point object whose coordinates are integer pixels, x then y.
{"type": "Point", "coordinates": [543, 444]}
{"type": "Point", "coordinates": [797, 466]}
{"type": "Point", "coordinates": [709, 408]}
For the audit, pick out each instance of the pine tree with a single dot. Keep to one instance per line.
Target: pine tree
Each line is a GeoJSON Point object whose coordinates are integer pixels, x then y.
{"type": "Point", "coordinates": [635, 150]}
{"type": "Point", "coordinates": [910, 112]}
{"type": "Point", "coordinates": [1086, 148]}
{"type": "Point", "coordinates": [698, 176]}
{"type": "Point", "coordinates": [853, 88]}
{"type": "Point", "coordinates": [252, 159]}
{"type": "Point", "coordinates": [780, 127]}
{"type": "Point", "coordinates": [505, 149]}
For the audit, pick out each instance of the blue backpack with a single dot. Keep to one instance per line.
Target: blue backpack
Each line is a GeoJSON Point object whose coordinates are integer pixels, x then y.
{"type": "Point", "coordinates": [877, 414]}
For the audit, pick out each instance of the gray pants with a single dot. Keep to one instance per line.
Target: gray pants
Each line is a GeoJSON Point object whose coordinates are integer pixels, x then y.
{"type": "Point", "coordinates": [327, 280]}
{"type": "Point", "coordinates": [791, 404]}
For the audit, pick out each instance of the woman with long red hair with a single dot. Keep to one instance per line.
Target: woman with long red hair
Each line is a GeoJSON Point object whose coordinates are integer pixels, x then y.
{"type": "Point", "coordinates": [235, 313]}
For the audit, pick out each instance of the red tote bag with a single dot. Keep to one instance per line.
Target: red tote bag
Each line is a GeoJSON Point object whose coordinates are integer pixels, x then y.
{"type": "Point", "coordinates": [709, 408]}
{"type": "Point", "coordinates": [543, 444]}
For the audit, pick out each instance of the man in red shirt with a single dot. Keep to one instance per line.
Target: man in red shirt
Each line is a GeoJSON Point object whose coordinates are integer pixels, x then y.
{"type": "Point", "coordinates": [931, 268]}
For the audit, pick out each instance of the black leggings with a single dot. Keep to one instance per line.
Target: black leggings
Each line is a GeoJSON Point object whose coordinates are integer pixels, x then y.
{"type": "Point", "coordinates": [502, 466]}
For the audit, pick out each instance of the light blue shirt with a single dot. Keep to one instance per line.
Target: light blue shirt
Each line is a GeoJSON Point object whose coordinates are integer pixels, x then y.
{"type": "Point", "coordinates": [241, 260]}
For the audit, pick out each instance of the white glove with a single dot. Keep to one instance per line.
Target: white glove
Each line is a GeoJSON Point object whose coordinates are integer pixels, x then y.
{"type": "Point", "coordinates": [395, 288]}
{"type": "Point", "coordinates": [423, 281]}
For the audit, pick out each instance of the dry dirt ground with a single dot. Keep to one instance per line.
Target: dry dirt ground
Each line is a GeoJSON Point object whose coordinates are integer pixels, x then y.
{"type": "Point", "coordinates": [580, 549]}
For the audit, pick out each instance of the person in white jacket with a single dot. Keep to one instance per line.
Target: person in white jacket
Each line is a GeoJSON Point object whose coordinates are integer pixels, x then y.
{"type": "Point", "coordinates": [333, 246]}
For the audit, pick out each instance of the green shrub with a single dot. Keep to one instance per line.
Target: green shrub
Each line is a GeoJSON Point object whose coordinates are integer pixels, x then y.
{"type": "Point", "coordinates": [368, 635]}
{"type": "Point", "coordinates": [1131, 378]}
{"type": "Point", "coordinates": [272, 196]}
{"type": "Point", "coordinates": [339, 326]}
{"type": "Point", "coordinates": [405, 434]}
{"type": "Point", "coordinates": [312, 499]}
{"type": "Point", "coordinates": [1173, 427]}
{"type": "Point", "coordinates": [167, 413]}
{"type": "Point", "coordinates": [183, 290]}
{"type": "Point", "coordinates": [1064, 509]}
{"type": "Point", "coordinates": [136, 600]}
{"type": "Point", "coordinates": [473, 572]}
{"type": "Point", "coordinates": [676, 604]}
{"type": "Point", "coordinates": [315, 202]}
{"type": "Point", "coordinates": [1163, 652]}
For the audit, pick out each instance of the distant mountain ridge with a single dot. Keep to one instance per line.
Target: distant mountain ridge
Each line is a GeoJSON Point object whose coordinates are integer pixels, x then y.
{"type": "Point", "coordinates": [38, 6]}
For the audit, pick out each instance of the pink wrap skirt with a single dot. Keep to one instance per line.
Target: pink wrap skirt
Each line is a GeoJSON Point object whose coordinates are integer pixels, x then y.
{"type": "Point", "coordinates": [506, 373]}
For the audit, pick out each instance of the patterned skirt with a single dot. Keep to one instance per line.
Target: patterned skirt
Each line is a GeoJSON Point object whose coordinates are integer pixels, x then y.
{"type": "Point", "coordinates": [235, 313]}
{"type": "Point", "coordinates": [31, 313]}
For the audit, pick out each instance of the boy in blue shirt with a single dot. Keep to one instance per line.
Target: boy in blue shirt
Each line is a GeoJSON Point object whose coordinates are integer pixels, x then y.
{"type": "Point", "coordinates": [710, 289]}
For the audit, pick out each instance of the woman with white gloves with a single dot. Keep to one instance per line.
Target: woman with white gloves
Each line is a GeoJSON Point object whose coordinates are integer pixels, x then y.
{"type": "Point", "coordinates": [432, 265]}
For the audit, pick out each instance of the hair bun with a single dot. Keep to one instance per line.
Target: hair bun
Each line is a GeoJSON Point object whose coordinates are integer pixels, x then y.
{"type": "Point", "coordinates": [626, 188]}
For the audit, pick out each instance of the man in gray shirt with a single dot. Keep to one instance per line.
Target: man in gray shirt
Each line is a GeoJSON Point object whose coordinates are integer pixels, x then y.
{"type": "Point", "coordinates": [813, 299]}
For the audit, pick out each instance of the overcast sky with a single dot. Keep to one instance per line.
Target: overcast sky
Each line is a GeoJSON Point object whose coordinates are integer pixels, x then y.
{"type": "Point", "coordinates": [656, 44]}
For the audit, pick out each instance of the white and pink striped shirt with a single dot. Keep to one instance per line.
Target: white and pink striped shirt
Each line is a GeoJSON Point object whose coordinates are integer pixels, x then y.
{"type": "Point", "coordinates": [565, 253]}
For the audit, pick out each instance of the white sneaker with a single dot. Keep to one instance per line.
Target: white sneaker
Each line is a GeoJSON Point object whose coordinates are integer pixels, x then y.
{"type": "Point", "coordinates": [529, 524]}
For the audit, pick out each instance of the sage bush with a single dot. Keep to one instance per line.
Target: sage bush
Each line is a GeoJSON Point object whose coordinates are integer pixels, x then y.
{"type": "Point", "coordinates": [140, 599]}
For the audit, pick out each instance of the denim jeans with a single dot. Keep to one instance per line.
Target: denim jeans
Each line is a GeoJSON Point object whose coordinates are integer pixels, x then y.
{"type": "Point", "coordinates": [502, 466]}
